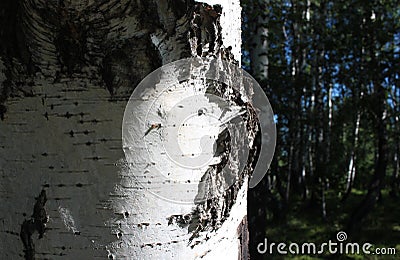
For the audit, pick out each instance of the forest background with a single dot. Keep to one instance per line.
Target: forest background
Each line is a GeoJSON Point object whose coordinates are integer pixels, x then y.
{"type": "Point", "coordinates": [331, 72]}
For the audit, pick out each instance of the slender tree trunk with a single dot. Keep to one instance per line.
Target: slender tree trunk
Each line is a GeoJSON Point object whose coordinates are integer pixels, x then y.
{"type": "Point", "coordinates": [380, 114]}
{"type": "Point", "coordinates": [396, 172]}
{"type": "Point", "coordinates": [259, 39]}
{"type": "Point", "coordinates": [377, 183]}
{"type": "Point", "coordinates": [351, 171]}
{"type": "Point", "coordinates": [395, 184]}
{"type": "Point", "coordinates": [67, 70]}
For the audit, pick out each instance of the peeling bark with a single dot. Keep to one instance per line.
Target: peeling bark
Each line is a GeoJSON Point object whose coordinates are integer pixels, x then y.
{"type": "Point", "coordinates": [204, 228]}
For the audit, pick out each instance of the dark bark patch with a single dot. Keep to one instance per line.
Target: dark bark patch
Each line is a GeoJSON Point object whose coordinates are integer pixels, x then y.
{"type": "Point", "coordinates": [15, 45]}
{"type": "Point", "coordinates": [180, 7]}
{"type": "Point", "coordinates": [223, 202]}
{"type": "Point", "coordinates": [243, 235]}
{"type": "Point", "coordinates": [71, 38]}
{"type": "Point", "coordinates": [3, 110]}
{"type": "Point", "coordinates": [206, 29]}
{"type": "Point", "coordinates": [123, 68]}
{"type": "Point", "coordinates": [180, 220]}
{"type": "Point", "coordinates": [71, 44]}
{"type": "Point", "coordinates": [37, 222]}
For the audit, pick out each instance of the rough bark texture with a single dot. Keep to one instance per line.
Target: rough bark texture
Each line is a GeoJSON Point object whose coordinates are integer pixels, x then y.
{"type": "Point", "coordinates": [66, 70]}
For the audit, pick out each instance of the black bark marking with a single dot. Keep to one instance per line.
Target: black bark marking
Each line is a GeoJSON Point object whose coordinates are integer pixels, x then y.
{"type": "Point", "coordinates": [206, 28]}
{"type": "Point", "coordinates": [126, 214]}
{"type": "Point", "coordinates": [181, 220]}
{"type": "Point", "coordinates": [3, 110]}
{"type": "Point", "coordinates": [37, 222]}
{"type": "Point", "coordinates": [70, 40]}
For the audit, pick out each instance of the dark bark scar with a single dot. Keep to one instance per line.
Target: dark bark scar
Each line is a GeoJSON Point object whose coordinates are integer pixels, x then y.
{"type": "Point", "coordinates": [37, 222]}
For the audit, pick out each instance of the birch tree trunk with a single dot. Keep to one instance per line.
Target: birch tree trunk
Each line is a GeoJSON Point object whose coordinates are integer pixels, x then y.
{"type": "Point", "coordinates": [258, 52]}
{"type": "Point", "coordinates": [67, 69]}
{"type": "Point", "coordinates": [351, 171]}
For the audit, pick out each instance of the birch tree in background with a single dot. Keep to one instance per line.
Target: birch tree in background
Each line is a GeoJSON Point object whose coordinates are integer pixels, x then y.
{"type": "Point", "coordinates": [256, 36]}
{"type": "Point", "coordinates": [67, 69]}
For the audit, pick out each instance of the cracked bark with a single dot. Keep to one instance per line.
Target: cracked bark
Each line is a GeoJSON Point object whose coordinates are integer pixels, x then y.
{"type": "Point", "coordinates": [66, 71]}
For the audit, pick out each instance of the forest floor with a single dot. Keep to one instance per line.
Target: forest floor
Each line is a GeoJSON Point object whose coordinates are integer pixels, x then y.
{"type": "Point", "coordinates": [381, 228]}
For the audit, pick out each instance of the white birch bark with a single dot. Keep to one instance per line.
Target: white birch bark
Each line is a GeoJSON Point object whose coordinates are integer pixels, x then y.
{"type": "Point", "coordinates": [65, 137]}
{"type": "Point", "coordinates": [259, 40]}
{"type": "Point", "coordinates": [351, 170]}
{"type": "Point", "coordinates": [156, 227]}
